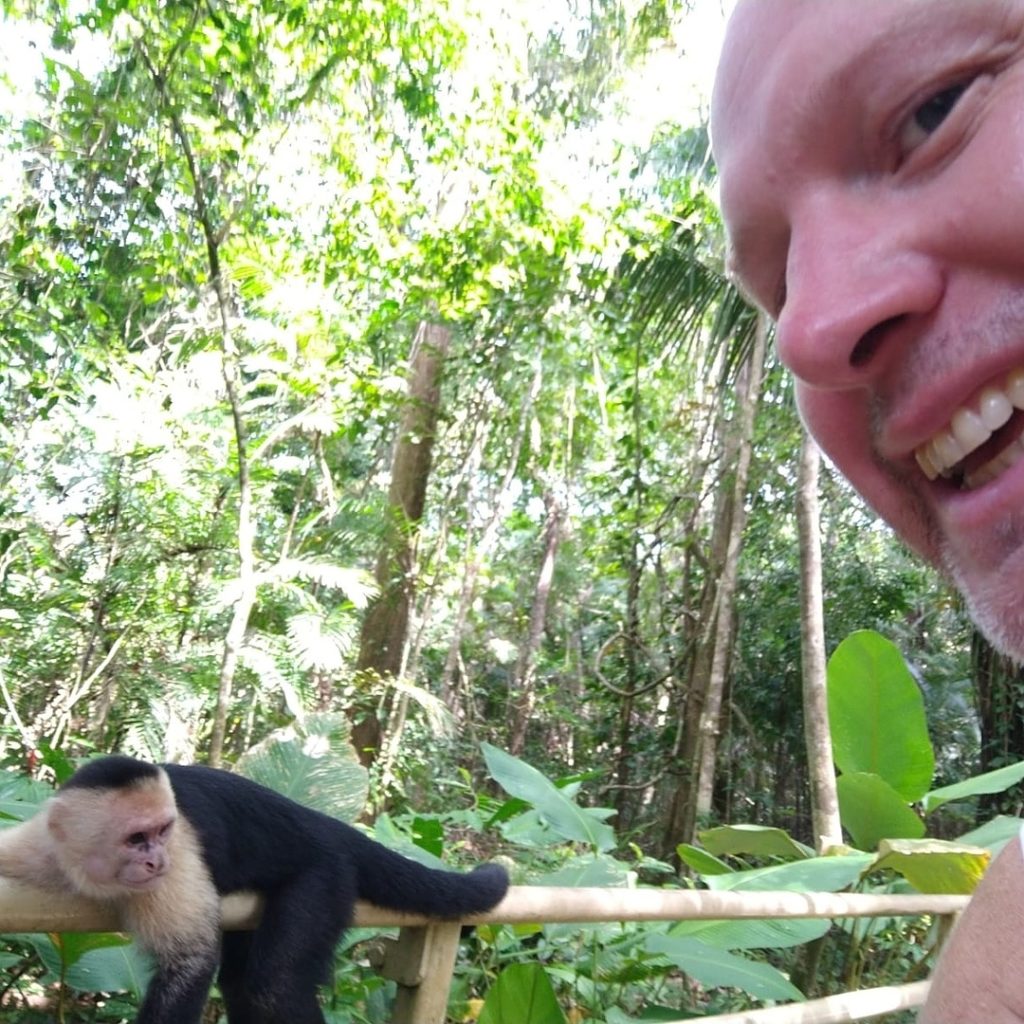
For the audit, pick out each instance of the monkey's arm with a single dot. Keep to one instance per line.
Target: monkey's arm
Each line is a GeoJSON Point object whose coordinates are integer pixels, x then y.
{"type": "Point", "coordinates": [179, 923]}
{"type": "Point", "coordinates": [26, 853]}
{"type": "Point", "coordinates": [980, 975]}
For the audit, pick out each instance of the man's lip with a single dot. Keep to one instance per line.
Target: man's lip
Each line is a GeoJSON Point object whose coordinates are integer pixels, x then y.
{"type": "Point", "coordinates": [909, 427]}
{"type": "Point", "coordinates": [967, 447]}
{"type": "Point", "coordinates": [973, 513]}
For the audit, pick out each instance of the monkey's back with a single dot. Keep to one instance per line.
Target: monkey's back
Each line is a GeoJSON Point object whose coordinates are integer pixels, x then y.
{"type": "Point", "coordinates": [252, 836]}
{"type": "Point", "coordinates": [255, 838]}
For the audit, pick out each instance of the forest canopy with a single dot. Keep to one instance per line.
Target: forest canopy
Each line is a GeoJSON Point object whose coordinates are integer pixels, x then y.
{"type": "Point", "coordinates": [376, 361]}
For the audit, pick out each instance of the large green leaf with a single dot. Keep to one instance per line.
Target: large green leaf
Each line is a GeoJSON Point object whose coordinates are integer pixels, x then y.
{"type": "Point", "coordinates": [994, 834]}
{"type": "Point", "coordinates": [568, 819]}
{"type": "Point", "coordinates": [94, 962]}
{"type": "Point", "coordinates": [318, 767]}
{"type": "Point", "coordinates": [766, 933]}
{"type": "Point", "coordinates": [522, 995]}
{"type": "Point", "coordinates": [753, 840]}
{"type": "Point", "coordinates": [819, 874]}
{"type": "Point", "coordinates": [991, 782]}
{"type": "Point", "coordinates": [717, 967]}
{"type": "Point", "coordinates": [876, 715]}
{"type": "Point", "coordinates": [597, 870]}
{"type": "Point", "coordinates": [871, 810]}
{"type": "Point", "coordinates": [701, 861]}
{"type": "Point", "coordinates": [932, 865]}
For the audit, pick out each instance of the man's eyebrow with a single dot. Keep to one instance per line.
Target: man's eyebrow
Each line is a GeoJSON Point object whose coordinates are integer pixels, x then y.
{"type": "Point", "coordinates": [934, 25]}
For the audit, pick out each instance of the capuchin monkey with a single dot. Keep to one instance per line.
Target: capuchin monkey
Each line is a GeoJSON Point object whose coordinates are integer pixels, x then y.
{"type": "Point", "coordinates": [164, 842]}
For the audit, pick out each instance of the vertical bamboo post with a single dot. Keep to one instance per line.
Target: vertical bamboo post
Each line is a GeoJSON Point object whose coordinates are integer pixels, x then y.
{"type": "Point", "coordinates": [421, 961]}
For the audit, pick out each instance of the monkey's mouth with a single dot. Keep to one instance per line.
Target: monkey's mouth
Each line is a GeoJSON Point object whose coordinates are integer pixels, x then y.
{"type": "Point", "coordinates": [981, 440]}
{"type": "Point", "coordinates": [142, 884]}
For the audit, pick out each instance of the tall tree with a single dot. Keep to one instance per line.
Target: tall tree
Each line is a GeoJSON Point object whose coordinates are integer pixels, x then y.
{"type": "Point", "coordinates": [824, 801]}
{"type": "Point", "coordinates": [385, 632]}
{"type": "Point", "coordinates": [524, 681]}
{"type": "Point", "coordinates": [749, 393]}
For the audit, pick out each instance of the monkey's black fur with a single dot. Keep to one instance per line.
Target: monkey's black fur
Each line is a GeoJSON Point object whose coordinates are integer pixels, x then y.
{"type": "Point", "coordinates": [310, 870]}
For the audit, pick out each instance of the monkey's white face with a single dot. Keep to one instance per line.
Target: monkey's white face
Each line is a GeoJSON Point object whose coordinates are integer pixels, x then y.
{"type": "Point", "coordinates": [113, 844]}
{"type": "Point", "coordinates": [141, 862]}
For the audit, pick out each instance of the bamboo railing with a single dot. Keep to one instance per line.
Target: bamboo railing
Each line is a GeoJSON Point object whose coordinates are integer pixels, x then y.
{"type": "Point", "coordinates": [421, 960]}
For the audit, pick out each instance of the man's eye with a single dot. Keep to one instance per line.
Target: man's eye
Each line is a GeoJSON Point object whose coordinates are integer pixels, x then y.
{"type": "Point", "coordinates": [928, 117]}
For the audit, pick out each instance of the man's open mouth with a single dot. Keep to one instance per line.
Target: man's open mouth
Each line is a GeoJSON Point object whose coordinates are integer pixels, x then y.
{"type": "Point", "coordinates": [981, 440]}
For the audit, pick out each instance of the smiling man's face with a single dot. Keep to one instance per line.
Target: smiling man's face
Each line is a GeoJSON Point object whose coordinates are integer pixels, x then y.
{"type": "Point", "coordinates": [871, 155]}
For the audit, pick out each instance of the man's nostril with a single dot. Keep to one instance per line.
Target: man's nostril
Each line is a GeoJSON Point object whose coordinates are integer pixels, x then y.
{"type": "Point", "coordinates": [869, 343]}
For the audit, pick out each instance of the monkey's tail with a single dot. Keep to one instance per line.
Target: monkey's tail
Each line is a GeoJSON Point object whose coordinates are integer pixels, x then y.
{"type": "Point", "coordinates": [391, 880]}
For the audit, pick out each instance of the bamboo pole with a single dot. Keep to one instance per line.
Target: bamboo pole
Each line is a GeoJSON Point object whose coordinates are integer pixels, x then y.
{"type": "Point", "coordinates": [25, 909]}
{"type": "Point", "coordinates": [838, 1009]}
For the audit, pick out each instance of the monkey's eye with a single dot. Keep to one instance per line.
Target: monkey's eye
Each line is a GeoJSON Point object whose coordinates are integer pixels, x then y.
{"type": "Point", "coordinates": [136, 839]}
{"type": "Point", "coordinates": [166, 830]}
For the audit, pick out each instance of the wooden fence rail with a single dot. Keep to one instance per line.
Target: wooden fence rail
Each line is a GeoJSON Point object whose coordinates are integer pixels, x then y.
{"type": "Point", "coordinates": [422, 958]}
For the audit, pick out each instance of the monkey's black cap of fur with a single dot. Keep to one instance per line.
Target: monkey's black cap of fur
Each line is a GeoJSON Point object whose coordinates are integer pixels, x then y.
{"type": "Point", "coordinates": [115, 771]}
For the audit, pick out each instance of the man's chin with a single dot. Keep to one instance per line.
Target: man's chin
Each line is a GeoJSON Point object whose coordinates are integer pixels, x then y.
{"type": "Point", "coordinates": [996, 606]}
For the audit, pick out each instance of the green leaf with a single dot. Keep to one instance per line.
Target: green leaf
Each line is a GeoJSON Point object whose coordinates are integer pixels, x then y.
{"type": "Point", "coordinates": [701, 861]}
{"type": "Point", "coordinates": [428, 834]}
{"type": "Point", "coordinates": [994, 834]}
{"type": "Point", "coordinates": [118, 968]}
{"type": "Point", "coordinates": [871, 810]}
{"type": "Point", "coordinates": [99, 962]}
{"type": "Point", "coordinates": [717, 967]}
{"type": "Point", "coordinates": [819, 874]}
{"type": "Point", "coordinates": [766, 933]}
{"type": "Point", "coordinates": [318, 769]}
{"type": "Point", "coordinates": [933, 865]}
{"type": "Point", "coordinates": [755, 840]}
{"type": "Point", "coordinates": [522, 995]}
{"type": "Point", "coordinates": [876, 715]}
{"type": "Point", "coordinates": [598, 871]}
{"type": "Point", "coordinates": [569, 820]}
{"type": "Point", "coordinates": [990, 782]}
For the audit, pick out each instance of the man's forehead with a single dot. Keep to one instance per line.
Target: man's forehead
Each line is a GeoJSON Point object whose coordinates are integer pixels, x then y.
{"type": "Point", "coordinates": [774, 48]}
{"type": "Point", "coordinates": [765, 37]}
{"type": "Point", "coordinates": [754, 31]}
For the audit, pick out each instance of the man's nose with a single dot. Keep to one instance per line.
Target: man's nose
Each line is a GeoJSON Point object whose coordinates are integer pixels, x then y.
{"type": "Point", "coordinates": [855, 281]}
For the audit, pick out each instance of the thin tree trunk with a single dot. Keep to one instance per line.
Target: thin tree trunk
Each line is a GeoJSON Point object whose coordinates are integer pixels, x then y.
{"type": "Point", "coordinates": [681, 816]}
{"type": "Point", "coordinates": [478, 551]}
{"type": "Point", "coordinates": [386, 625]}
{"type": "Point", "coordinates": [524, 693]}
{"type": "Point", "coordinates": [824, 802]}
{"type": "Point", "coordinates": [750, 394]}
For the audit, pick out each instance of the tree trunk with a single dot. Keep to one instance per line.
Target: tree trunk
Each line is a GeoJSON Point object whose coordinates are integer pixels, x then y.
{"type": "Point", "coordinates": [386, 625]}
{"type": "Point", "coordinates": [824, 802]}
{"type": "Point", "coordinates": [749, 394]}
{"type": "Point", "coordinates": [681, 816]}
{"type": "Point", "coordinates": [477, 550]}
{"type": "Point", "coordinates": [524, 693]}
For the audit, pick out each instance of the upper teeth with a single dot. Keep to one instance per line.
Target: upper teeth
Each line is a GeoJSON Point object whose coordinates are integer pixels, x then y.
{"type": "Point", "coordinates": [970, 428]}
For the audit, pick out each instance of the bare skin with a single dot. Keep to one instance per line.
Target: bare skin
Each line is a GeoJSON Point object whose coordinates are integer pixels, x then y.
{"type": "Point", "coordinates": [874, 201]}
{"type": "Point", "coordinates": [871, 155]}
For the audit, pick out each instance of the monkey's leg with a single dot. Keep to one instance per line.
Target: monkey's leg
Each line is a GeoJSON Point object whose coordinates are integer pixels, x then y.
{"type": "Point", "coordinates": [233, 980]}
{"type": "Point", "coordinates": [292, 950]}
{"type": "Point", "coordinates": [177, 991]}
